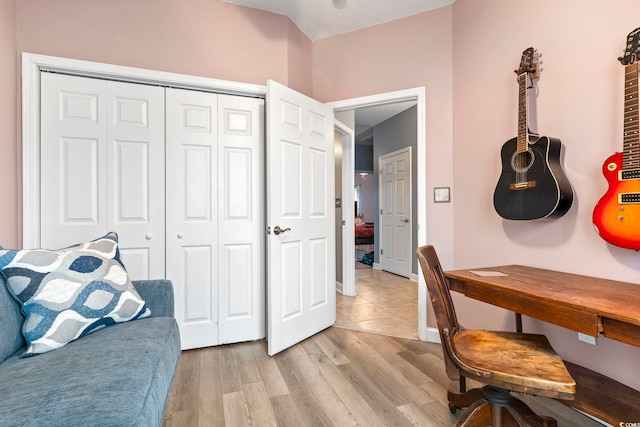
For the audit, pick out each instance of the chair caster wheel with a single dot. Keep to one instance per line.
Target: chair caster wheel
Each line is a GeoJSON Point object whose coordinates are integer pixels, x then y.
{"type": "Point", "coordinates": [453, 409]}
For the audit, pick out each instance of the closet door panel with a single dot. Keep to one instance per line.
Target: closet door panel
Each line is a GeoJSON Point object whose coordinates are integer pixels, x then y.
{"type": "Point", "coordinates": [73, 159]}
{"type": "Point", "coordinates": [191, 214]}
{"type": "Point", "coordinates": [241, 218]}
{"type": "Point", "coordinates": [136, 176]}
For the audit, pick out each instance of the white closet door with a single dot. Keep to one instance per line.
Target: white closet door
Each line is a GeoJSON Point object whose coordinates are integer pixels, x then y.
{"type": "Point", "coordinates": [192, 213]}
{"type": "Point", "coordinates": [102, 167]}
{"type": "Point", "coordinates": [73, 160]}
{"type": "Point", "coordinates": [135, 190]}
{"type": "Point", "coordinates": [301, 262]}
{"type": "Point", "coordinates": [241, 218]}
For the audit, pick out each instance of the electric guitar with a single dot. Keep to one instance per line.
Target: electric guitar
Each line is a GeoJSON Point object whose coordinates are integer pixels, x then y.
{"type": "Point", "coordinates": [616, 216]}
{"type": "Point", "coordinates": [532, 184]}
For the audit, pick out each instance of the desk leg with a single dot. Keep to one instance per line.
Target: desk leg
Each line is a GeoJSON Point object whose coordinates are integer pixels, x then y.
{"type": "Point", "coordinates": [518, 322]}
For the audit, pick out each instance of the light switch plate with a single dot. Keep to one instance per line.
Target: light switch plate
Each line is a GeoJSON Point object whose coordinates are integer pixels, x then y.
{"type": "Point", "coordinates": [441, 195]}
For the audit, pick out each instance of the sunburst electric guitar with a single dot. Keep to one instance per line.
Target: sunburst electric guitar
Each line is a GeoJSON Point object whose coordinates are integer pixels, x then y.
{"type": "Point", "coordinates": [532, 184]}
{"type": "Point", "coordinates": [616, 216]}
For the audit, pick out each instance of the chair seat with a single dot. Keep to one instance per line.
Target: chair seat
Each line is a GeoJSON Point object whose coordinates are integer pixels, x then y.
{"type": "Point", "coordinates": [517, 361]}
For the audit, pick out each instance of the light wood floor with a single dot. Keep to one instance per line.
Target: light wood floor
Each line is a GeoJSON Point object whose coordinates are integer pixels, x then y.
{"type": "Point", "coordinates": [338, 377]}
{"type": "Point", "coordinates": [386, 304]}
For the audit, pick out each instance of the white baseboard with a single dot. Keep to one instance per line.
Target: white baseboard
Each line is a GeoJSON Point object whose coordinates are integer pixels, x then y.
{"type": "Point", "coordinates": [433, 335]}
{"type": "Point", "coordinates": [340, 287]}
{"type": "Point", "coordinates": [376, 266]}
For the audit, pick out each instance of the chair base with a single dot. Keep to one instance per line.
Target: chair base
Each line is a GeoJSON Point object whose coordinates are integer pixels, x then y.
{"type": "Point", "coordinates": [496, 407]}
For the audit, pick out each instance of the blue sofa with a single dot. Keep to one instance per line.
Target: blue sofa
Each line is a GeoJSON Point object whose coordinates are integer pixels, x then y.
{"type": "Point", "coordinates": [117, 376]}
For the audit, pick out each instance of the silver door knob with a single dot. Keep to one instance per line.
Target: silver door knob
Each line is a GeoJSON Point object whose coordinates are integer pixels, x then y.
{"type": "Point", "coordinates": [180, 235]}
{"type": "Point", "coordinates": [277, 230]}
{"type": "Point", "coordinates": [148, 236]}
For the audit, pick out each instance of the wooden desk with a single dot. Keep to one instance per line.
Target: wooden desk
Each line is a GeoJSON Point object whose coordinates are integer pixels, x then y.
{"type": "Point", "coordinates": [581, 303]}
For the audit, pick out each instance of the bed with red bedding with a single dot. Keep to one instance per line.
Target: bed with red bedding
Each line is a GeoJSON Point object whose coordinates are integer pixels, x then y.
{"type": "Point", "coordinates": [364, 233]}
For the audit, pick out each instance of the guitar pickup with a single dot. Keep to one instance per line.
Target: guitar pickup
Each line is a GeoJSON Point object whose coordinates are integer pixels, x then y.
{"type": "Point", "coordinates": [522, 185]}
{"type": "Point", "coordinates": [627, 174]}
{"type": "Point", "coordinates": [628, 198]}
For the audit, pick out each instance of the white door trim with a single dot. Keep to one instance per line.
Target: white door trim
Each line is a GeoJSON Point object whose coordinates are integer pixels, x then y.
{"type": "Point", "coordinates": [33, 64]}
{"type": "Point", "coordinates": [419, 95]}
{"type": "Point", "coordinates": [348, 242]}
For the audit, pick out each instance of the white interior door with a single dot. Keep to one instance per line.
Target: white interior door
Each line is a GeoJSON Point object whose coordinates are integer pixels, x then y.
{"type": "Point", "coordinates": [300, 201]}
{"type": "Point", "coordinates": [192, 213]}
{"type": "Point", "coordinates": [102, 167]}
{"type": "Point", "coordinates": [395, 212]}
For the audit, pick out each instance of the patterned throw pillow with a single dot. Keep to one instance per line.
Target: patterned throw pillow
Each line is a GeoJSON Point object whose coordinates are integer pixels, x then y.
{"type": "Point", "coordinates": [68, 293]}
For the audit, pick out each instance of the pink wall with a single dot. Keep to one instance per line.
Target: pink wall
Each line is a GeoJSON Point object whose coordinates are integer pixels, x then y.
{"type": "Point", "coordinates": [407, 53]}
{"type": "Point", "coordinates": [208, 38]}
{"type": "Point", "coordinates": [300, 65]}
{"type": "Point", "coordinates": [9, 159]}
{"type": "Point", "coordinates": [579, 101]}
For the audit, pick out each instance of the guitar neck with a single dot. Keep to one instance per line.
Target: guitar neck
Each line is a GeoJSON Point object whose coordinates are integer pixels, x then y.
{"type": "Point", "coordinates": [631, 138]}
{"type": "Point", "coordinates": [523, 140]}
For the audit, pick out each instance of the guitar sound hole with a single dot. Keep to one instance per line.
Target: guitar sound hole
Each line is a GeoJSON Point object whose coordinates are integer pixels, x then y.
{"type": "Point", "coordinates": [521, 162]}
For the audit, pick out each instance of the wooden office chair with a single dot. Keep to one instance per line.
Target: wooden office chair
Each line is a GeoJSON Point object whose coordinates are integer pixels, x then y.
{"type": "Point", "coordinates": [504, 361]}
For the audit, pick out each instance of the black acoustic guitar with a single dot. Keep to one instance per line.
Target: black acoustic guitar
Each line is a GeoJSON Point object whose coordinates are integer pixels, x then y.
{"type": "Point", "coordinates": [532, 184]}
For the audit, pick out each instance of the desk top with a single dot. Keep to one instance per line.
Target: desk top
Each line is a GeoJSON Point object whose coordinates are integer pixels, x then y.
{"type": "Point", "coordinates": [582, 294]}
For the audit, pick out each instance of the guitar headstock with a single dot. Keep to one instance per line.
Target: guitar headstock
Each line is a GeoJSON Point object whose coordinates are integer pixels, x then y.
{"type": "Point", "coordinates": [529, 64]}
{"type": "Point", "coordinates": [632, 51]}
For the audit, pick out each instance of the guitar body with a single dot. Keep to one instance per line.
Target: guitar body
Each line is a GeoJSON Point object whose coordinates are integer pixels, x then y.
{"type": "Point", "coordinates": [548, 194]}
{"type": "Point", "coordinates": [618, 223]}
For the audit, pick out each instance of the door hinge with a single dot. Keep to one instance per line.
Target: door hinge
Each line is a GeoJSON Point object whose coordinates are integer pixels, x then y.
{"type": "Point", "coordinates": [381, 251]}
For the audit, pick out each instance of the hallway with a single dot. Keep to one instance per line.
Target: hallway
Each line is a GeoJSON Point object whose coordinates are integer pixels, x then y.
{"type": "Point", "coordinates": [386, 304]}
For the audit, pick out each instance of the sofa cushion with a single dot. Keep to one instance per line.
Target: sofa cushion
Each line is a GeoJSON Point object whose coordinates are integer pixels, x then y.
{"type": "Point", "coordinates": [68, 293]}
{"type": "Point", "coordinates": [118, 376]}
{"type": "Point", "coordinates": [11, 320]}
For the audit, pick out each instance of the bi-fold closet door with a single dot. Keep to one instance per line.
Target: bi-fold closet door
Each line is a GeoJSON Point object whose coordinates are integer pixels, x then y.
{"type": "Point", "coordinates": [178, 174]}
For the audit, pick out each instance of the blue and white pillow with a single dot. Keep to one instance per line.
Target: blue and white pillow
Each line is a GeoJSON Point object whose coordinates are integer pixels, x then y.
{"type": "Point", "coordinates": [68, 293]}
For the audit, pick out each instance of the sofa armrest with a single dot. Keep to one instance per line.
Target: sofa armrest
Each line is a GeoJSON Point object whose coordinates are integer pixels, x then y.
{"type": "Point", "coordinates": [158, 294]}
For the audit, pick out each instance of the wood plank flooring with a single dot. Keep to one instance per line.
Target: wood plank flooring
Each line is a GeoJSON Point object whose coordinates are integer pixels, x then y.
{"type": "Point", "coordinates": [342, 376]}
{"type": "Point", "coordinates": [338, 377]}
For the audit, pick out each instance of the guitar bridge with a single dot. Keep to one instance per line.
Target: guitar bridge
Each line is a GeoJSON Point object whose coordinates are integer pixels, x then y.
{"type": "Point", "coordinates": [628, 198]}
{"type": "Point", "coordinates": [522, 185]}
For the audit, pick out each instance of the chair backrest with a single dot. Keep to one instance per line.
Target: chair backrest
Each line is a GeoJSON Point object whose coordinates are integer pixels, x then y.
{"type": "Point", "coordinates": [440, 296]}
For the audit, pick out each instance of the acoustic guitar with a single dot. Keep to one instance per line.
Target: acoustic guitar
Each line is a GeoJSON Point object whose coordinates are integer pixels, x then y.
{"type": "Point", "coordinates": [532, 184]}
{"type": "Point", "coordinates": [616, 216]}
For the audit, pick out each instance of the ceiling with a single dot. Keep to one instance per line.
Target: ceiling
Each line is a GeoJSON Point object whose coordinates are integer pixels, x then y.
{"type": "Point", "coordinates": [367, 117]}
{"type": "Point", "coordinates": [324, 18]}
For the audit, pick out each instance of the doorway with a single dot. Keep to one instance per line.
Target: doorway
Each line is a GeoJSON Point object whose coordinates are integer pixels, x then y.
{"type": "Point", "coordinates": [346, 112]}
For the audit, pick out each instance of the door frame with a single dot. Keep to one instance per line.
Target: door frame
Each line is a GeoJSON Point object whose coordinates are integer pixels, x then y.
{"type": "Point", "coordinates": [348, 211]}
{"type": "Point", "coordinates": [417, 94]}
{"type": "Point", "coordinates": [410, 210]}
